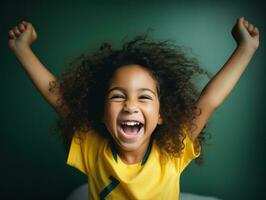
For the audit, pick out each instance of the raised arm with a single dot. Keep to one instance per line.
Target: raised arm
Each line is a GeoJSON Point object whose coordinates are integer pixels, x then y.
{"type": "Point", "coordinates": [20, 39]}
{"type": "Point", "coordinates": [247, 38]}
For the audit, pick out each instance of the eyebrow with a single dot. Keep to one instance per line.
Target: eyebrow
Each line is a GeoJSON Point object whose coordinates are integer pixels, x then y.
{"type": "Point", "coordinates": [122, 89]}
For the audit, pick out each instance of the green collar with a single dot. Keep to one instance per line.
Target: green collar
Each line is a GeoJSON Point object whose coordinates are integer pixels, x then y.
{"type": "Point", "coordinates": [145, 158]}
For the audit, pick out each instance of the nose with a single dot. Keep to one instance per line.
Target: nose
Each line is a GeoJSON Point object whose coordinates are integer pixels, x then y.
{"type": "Point", "coordinates": [130, 107]}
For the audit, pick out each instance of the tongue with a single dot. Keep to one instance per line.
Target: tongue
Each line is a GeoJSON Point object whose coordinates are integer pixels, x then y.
{"type": "Point", "coordinates": [130, 130]}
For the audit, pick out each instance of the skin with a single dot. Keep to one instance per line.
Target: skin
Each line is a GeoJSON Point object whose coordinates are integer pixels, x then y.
{"type": "Point", "coordinates": [245, 34]}
{"type": "Point", "coordinates": [219, 87]}
{"type": "Point", "coordinates": [127, 102]}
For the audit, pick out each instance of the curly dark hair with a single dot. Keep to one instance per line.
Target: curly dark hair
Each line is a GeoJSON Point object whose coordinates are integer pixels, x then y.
{"type": "Point", "coordinates": [84, 83]}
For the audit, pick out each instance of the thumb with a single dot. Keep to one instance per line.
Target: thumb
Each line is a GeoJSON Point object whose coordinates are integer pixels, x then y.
{"type": "Point", "coordinates": [30, 31]}
{"type": "Point", "coordinates": [28, 26]}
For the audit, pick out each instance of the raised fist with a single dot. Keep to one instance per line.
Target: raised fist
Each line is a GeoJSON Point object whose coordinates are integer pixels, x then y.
{"type": "Point", "coordinates": [22, 34]}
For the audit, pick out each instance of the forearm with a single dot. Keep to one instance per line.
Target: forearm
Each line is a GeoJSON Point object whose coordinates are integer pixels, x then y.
{"type": "Point", "coordinates": [223, 82]}
{"type": "Point", "coordinates": [38, 73]}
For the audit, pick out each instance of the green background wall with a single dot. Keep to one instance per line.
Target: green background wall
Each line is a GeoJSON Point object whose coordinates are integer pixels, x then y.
{"type": "Point", "coordinates": [33, 164]}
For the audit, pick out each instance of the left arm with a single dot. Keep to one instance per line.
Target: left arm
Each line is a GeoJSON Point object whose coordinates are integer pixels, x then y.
{"type": "Point", "coordinates": [218, 88]}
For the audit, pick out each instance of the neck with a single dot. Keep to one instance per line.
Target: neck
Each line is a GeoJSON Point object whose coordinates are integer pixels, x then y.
{"type": "Point", "coordinates": [135, 156]}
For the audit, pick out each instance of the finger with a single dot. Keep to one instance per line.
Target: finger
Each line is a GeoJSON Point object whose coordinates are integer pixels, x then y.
{"type": "Point", "coordinates": [11, 34]}
{"type": "Point", "coordinates": [16, 31]}
{"type": "Point", "coordinates": [250, 27]}
{"type": "Point", "coordinates": [24, 22]}
{"type": "Point", "coordinates": [29, 25]}
{"type": "Point", "coordinates": [256, 30]}
{"type": "Point", "coordinates": [240, 19]}
{"type": "Point", "coordinates": [246, 23]}
{"type": "Point", "coordinates": [21, 27]}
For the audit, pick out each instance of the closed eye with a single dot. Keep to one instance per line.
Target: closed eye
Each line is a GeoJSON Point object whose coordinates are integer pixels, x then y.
{"type": "Point", "coordinates": [116, 96]}
{"type": "Point", "coordinates": [145, 97]}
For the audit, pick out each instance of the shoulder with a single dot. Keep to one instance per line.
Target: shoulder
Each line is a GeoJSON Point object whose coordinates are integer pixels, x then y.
{"type": "Point", "coordinates": [88, 141]}
{"type": "Point", "coordinates": [191, 150]}
{"type": "Point", "coordinates": [84, 149]}
{"type": "Point", "coordinates": [86, 136]}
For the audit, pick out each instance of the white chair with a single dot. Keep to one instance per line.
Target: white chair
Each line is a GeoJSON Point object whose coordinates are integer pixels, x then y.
{"type": "Point", "coordinates": [81, 193]}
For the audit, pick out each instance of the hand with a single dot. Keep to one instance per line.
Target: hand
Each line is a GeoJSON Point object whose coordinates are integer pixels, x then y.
{"type": "Point", "coordinates": [246, 34]}
{"type": "Point", "coordinates": [21, 35]}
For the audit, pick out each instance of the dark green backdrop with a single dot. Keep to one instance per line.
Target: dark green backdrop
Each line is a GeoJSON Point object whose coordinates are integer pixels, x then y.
{"type": "Point", "coordinates": [33, 162]}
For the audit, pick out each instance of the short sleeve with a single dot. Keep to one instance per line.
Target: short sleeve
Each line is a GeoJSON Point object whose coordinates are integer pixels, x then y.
{"type": "Point", "coordinates": [83, 151]}
{"type": "Point", "coordinates": [191, 151]}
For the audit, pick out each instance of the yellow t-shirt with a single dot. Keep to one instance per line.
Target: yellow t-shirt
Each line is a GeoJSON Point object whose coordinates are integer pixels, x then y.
{"type": "Point", "coordinates": [110, 178]}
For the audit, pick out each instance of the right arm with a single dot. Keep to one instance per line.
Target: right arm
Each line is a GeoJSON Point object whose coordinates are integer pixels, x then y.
{"type": "Point", "coordinates": [20, 39]}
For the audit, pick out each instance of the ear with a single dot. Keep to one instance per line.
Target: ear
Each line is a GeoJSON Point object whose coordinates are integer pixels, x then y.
{"type": "Point", "coordinates": [160, 120]}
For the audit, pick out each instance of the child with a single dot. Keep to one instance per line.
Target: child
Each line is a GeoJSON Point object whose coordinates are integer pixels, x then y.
{"type": "Point", "coordinates": [132, 117]}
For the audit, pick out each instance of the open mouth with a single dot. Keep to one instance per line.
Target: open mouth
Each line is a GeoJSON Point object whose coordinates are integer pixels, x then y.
{"type": "Point", "coordinates": [131, 129]}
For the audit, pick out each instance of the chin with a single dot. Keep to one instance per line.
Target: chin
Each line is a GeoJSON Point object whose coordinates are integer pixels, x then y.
{"type": "Point", "coordinates": [129, 146]}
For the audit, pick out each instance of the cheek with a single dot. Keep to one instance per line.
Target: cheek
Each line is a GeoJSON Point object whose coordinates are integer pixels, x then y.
{"type": "Point", "coordinates": [152, 108]}
{"type": "Point", "coordinates": [110, 112]}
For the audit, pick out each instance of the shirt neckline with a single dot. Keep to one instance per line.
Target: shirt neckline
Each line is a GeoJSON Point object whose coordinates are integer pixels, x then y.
{"type": "Point", "coordinates": [145, 157]}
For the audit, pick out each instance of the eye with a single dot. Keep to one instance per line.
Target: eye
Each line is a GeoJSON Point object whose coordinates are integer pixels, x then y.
{"type": "Point", "coordinates": [117, 96]}
{"type": "Point", "coordinates": [145, 97]}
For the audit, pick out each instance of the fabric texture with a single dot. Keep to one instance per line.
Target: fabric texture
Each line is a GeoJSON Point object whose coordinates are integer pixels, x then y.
{"type": "Point", "coordinates": [111, 178]}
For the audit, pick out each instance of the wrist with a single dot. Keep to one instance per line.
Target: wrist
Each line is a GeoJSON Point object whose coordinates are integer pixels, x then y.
{"type": "Point", "coordinates": [20, 47]}
{"type": "Point", "coordinates": [247, 49]}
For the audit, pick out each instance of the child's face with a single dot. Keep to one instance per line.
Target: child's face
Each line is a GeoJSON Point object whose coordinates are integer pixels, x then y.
{"type": "Point", "coordinates": [132, 96]}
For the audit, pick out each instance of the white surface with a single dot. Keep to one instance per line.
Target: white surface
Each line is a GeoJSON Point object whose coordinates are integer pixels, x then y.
{"type": "Point", "coordinates": [81, 193]}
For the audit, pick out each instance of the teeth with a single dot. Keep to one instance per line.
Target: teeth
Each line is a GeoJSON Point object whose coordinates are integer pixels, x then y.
{"type": "Point", "coordinates": [131, 123]}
